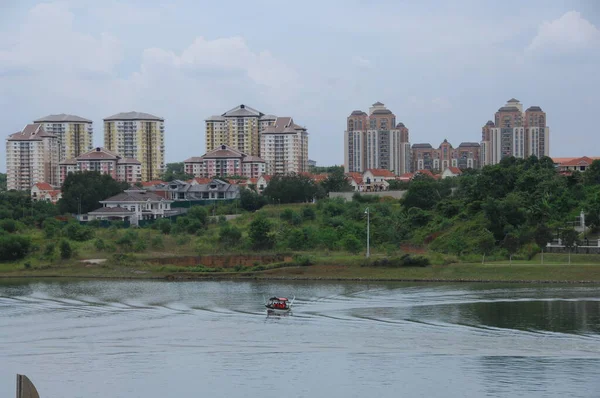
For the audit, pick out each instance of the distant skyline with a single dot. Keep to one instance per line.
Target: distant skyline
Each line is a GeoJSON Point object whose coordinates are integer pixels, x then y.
{"type": "Point", "coordinates": [443, 69]}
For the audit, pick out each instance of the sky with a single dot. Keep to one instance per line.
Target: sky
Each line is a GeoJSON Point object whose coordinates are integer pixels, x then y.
{"type": "Point", "coordinates": [444, 68]}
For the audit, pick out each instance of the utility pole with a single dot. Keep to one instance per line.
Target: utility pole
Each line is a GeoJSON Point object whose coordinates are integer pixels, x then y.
{"type": "Point", "coordinates": [367, 212]}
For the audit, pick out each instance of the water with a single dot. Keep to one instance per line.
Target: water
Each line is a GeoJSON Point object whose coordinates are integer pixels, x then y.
{"type": "Point", "coordinates": [213, 339]}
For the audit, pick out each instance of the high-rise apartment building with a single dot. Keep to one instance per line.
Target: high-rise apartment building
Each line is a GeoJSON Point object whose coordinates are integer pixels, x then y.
{"type": "Point", "coordinates": [375, 141]}
{"type": "Point", "coordinates": [426, 157]}
{"type": "Point", "coordinates": [284, 147]}
{"type": "Point", "coordinates": [31, 157]}
{"type": "Point", "coordinates": [75, 134]}
{"type": "Point", "coordinates": [515, 133]}
{"type": "Point", "coordinates": [137, 135]}
{"type": "Point", "coordinates": [104, 162]}
{"type": "Point", "coordinates": [238, 128]}
{"type": "Point", "coordinates": [223, 162]}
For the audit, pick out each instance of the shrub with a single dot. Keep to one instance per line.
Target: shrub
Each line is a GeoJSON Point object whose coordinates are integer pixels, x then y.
{"type": "Point", "coordinates": [352, 244]}
{"type": "Point", "coordinates": [164, 226]}
{"type": "Point", "coordinates": [9, 226]}
{"type": "Point", "coordinates": [128, 238]}
{"type": "Point", "coordinates": [308, 213]}
{"type": "Point", "coordinates": [303, 260]}
{"type": "Point", "coordinates": [157, 242]}
{"type": "Point", "coordinates": [287, 214]}
{"type": "Point", "coordinates": [49, 249]}
{"type": "Point", "coordinates": [230, 235]}
{"type": "Point", "coordinates": [13, 247]}
{"type": "Point", "coordinates": [222, 220]}
{"type": "Point", "coordinates": [404, 261]}
{"type": "Point", "coordinates": [182, 240]}
{"type": "Point", "coordinates": [66, 251]}
{"type": "Point", "coordinates": [51, 227]}
{"type": "Point", "coordinates": [79, 233]}
{"type": "Point", "coordinates": [99, 244]}
{"type": "Point", "coordinates": [140, 245]}
{"type": "Point", "coordinates": [296, 219]}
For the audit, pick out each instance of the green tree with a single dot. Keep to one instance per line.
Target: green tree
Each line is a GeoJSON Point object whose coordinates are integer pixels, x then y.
{"type": "Point", "coordinates": [352, 244]}
{"type": "Point", "coordinates": [65, 249]}
{"type": "Point", "coordinates": [87, 188]}
{"type": "Point", "coordinates": [592, 174]}
{"type": "Point", "coordinates": [251, 201]}
{"type": "Point", "coordinates": [569, 237]}
{"type": "Point", "coordinates": [294, 188]}
{"type": "Point", "coordinates": [13, 247]}
{"type": "Point", "coordinates": [164, 226]}
{"type": "Point", "coordinates": [260, 234]}
{"type": "Point", "coordinates": [199, 214]}
{"type": "Point", "coordinates": [230, 235]}
{"type": "Point", "coordinates": [336, 181]}
{"type": "Point", "coordinates": [2, 181]}
{"type": "Point", "coordinates": [542, 236]}
{"type": "Point", "coordinates": [175, 171]}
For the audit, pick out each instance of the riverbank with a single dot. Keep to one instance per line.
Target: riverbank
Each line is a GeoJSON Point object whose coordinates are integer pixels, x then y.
{"type": "Point", "coordinates": [339, 268]}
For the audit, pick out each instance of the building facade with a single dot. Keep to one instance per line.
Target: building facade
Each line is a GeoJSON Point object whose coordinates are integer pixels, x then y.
{"type": "Point", "coordinates": [104, 162]}
{"type": "Point", "coordinates": [284, 147]}
{"type": "Point", "coordinates": [137, 135]}
{"type": "Point", "coordinates": [75, 134]}
{"type": "Point", "coordinates": [225, 161]}
{"type": "Point", "coordinates": [31, 157]}
{"type": "Point", "coordinates": [132, 206]}
{"type": "Point", "coordinates": [426, 157]}
{"type": "Point", "coordinates": [238, 128]}
{"type": "Point", "coordinates": [515, 133]}
{"type": "Point", "coordinates": [375, 141]}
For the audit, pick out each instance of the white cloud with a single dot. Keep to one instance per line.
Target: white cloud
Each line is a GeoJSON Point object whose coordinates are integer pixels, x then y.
{"type": "Point", "coordinates": [47, 43]}
{"type": "Point", "coordinates": [569, 33]}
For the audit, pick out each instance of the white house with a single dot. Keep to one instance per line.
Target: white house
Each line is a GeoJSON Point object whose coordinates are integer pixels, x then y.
{"type": "Point", "coordinates": [132, 205]}
{"type": "Point", "coordinates": [451, 172]}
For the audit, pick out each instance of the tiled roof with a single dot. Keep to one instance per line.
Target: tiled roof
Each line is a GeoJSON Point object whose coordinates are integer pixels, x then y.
{"type": "Point", "coordinates": [512, 100]}
{"type": "Point", "coordinates": [223, 151]}
{"type": "Point", "coordinates": [358, 113]}
{"type": "Point", "coordinates": [534, 109]}
{"type": "Point", "coordinates": [357, 177]}
{"type": "Point", "coordinates": [128, 161]}
{"type": "Point", "coordinates": [581, 161]}
{"type": "Point", "coordinates": [68, 161]}
{"type": "Point", "coordinates": [216, 118]}
{"type": "Point", "coordinates": [469, 144]}
{"type": "Point", "coordinates": [104, 210]}
{"type": "Point", "coordinates": [241, 111]}
{"type": "Point", "coordinates": [98, 153]}
{"type": "Point", "coordinates": [43, 186]}
{"type": "Point", "coordinates": [134, 116]}
{"type": "Point", "coordinates": [405, 177]}
{"type": "Point", "coordinates": [152, 183]}
{"type": "Point", "coordinates": [377, 104]}
{"type": "Point", "coordinates": [133, 196]}
{"type": "Point", "coordinates": [509, 109]}
{"type": "Point", "coordinates": [490, 123]}
{"type": "Point", "coordinates": [455, 170]}
{"type": "Point", "coordinates": [255, 159]}
{"type": "Point", "coordinates": [200, 180]}
{"type": "Point", "coordinates": [422, 146]}
{"type": "Point", "coordinates": [31, 132]}
{"type": "Point", "coordinates": [194, 159]}
{"type": "Point", "coordinates": [381, 173]}
{"type": "Point", "coordinates": [400, 125]}
{"type": "Point", "coordinates": [382, 112]}
{"type": "Point", "coordinates": [62, 118]}
{"type": "Point", "coordinates": [268, 117]}
{"type": "Point", "coordinates": [281, 123]}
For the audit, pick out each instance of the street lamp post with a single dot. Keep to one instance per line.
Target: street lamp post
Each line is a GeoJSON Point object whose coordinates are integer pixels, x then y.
{"type": "Point", "coordinates": [367, 212]}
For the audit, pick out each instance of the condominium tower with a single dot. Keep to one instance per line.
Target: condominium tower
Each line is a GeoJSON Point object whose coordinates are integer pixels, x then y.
{"type": "Point", "coordinates": [74, 134]}
{"type": "Point", "coordinates": [375, 141]}
{"type": "Point", "coordinates": [137, 135]}
{"type": "Point", "coordinates": [284, 147]}
{"type": "Point", "coordinates": [238, 128]}
{"type": "Point", "coordinates": [515, 133]}
{"type": "Point", "coordinates": [31, 157]}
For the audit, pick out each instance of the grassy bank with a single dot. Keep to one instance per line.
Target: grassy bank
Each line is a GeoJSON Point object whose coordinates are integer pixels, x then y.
{"type": "Point", "coordinates": [583, 268]}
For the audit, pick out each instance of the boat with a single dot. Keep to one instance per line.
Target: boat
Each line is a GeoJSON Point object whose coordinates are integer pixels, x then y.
{"type": "Point", "coordinates": [279, 305]}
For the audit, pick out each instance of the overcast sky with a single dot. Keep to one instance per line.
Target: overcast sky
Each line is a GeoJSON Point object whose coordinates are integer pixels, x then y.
{"type": "Point", "coordinates": [442, 67]}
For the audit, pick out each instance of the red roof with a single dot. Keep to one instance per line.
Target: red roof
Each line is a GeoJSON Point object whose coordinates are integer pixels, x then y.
{"type": "Point", "coordinates": [44, 186]}
{"type": "Point", "coordinates": [152, 183]}
{"type": "Point", "coordinates": [253, 180]}
{"type": "Point", "coordinates": [405, 177]}
{"type": "Point", "coordinates": [357, 177]}
{"type": "Point", "coordinates": [455, 170]}
{"type": "Point", "coordinates": [201, 180]}
{"type": "Point", "coordinates": [427, 173]}
{"type": "Point", "coordinates": [381, 173]}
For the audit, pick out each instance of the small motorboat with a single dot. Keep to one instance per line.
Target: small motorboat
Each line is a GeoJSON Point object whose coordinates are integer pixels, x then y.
{"type": "Point", "coordinates": [279, 305]}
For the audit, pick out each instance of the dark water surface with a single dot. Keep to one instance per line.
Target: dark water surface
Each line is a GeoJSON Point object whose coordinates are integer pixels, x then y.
{"type": "Point", "coordinates": [212, 339]}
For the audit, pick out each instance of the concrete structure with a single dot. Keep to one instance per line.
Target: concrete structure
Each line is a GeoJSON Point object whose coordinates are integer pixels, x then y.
{"type": "Point", "coordinates": [182, 191]}
{"type": "Point", "coordinates": [42, 191]}
{"type": "Point", "coordinates": [31, 157]}
{"type": "Point", "coordinates": [284, 146]}
{"type": "Point", "coordinates": [426, 157]}
{"type": "Point", "coordinates": [137, 135]}
{"type": "Point", "coordinates": [237, 128]}
{"type": "Point", "coordinates": [75, 134]}
{"type": "Point", "coordinates": [376, 141]}
{"type": "Point", "coordinates": [515, 133]}
{"type": "Point", "coordinates": [133, 206]}
{"type": "Point", "coordinates": [105, 162]}
{"type": "Point", "coordinates": [225, 161]}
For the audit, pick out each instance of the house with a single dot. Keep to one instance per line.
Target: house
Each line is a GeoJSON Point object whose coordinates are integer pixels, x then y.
{"type": "Point", "coordinates": [132, 205]}
{"type": "Point", "coordinates": [262, 183]}
{"type": "Point", "coordinates": [569, 165]}
{"type": "Point", "coordinates": [355, 179]}
{"type": "Point", "coordinates": [215, 189]}
{"type": "Point", "coordinates": [45, 192]}
{"type": "Point", "coordinates": [451, 172]}
{"type": "Point", "coordinates": [427, 173]}
{"type": "Point", "coordinates": [377, 180]}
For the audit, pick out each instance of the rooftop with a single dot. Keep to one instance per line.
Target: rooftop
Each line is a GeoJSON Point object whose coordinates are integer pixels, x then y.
{"type": "Point", "coordinates": [134, 196]}
{"type": "Point", "coordinates": [534, 109]}
{"type": "Point", "coordinates": [513, 100]}
{"type": "Point", "coordinates": [62, 118]}
{"type": "Point", "coordinates": [241, 111]}
{"type": "Point", "coordinates": [31, 132]}
{"type": "Point", "coordinates": [98, 153]}
{"type": "Point", "coordinates": [134, 116]}
{"type": "Point", "coordinates": [382, 112]}
{"type": "Point", "coordinates": [509, 109]}
{"type": "Point", "coordinates": [358, 113]}
{"type": "Point", "coordinates": [428, 146]}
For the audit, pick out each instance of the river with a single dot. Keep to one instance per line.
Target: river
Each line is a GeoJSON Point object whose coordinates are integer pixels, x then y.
{"type": "Point", "coordinates": [213, 339]}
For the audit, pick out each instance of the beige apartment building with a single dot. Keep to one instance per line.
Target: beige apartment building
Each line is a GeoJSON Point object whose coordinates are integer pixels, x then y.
{"type": "Point", "coordinates": [284, 147]}
{"type": "Point", "coordinates": [515, 133]}
{"type": "Point", "coordinates": [238, 128]}
{"type": "Point", "coordinates": [75, 134]}
{"type": "Point", "coordinates": [375, 141]}
{"type": "Point", "coordinates": [31, 157]}
{"type": "Point", "coordinates": [138, 135]}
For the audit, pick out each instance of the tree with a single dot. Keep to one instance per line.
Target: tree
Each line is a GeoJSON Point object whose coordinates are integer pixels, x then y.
{"type": "Point", "coordinates": [542, 236]}
{"type": "Point", "coordinates": [229, 235]}
{"type": "Point", "coordinates": [511, 243]}
{"type": "Point", "coordinates": [175, 171]}
{"type": "Point", "coordinates": [87, 188]}
{"type": "Point", "coordinates": [2, 181]}
{"type": "Point", "coordinates": [260, 234]}
{"type": "Point", "coordinates": [352, 244]}
{"type": "Point", "coordinates": [424, 192]}
{"type": "Point", "coordinates": [592, 174]}
{"type": "Point", "coordinates": [569, 237]}
{"type": "Point", "coordinates": [164, 226]}
{"type": "Point", "coordinates": [336, 181]}
{"type": "Point", "coordinates": [13, 247]}
{"type": "Point", "coordinates": [65, 249]}
{"type": "Point", "coordinates": [251, 201]}
{"type": "Point", "coordinates": [199, 214]}
{"type": "Point", "coordinates": [293, 188]}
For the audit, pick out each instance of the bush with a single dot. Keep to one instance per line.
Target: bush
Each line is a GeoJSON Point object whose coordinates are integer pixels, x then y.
{"type": "Point", "coordinates": [182, 240]}
{"type": "Point", "coordinates": [51, 227]}
{"type": "Point", "coordinates": [49, 249]}
{"type": "Point", "coordinates": [128, 238]}
{"type": "Point", "coordinates": [99, 244]}
{"type": "Point", "coordinates": [302, 260]}
{"type": "Point", "coordinates": [9, 226]}
{"type": "Point", "coordinates": [352, 244]}
{"type": "Point", "coordinates": [164, 226]}
{"type": "Point", "coordinates": [230, 235]}
{"type": "Point", "coordinates": [308, 213]}
{"type": "Point", "coordinates": [157, 242]}
{"type": "Point", "coordinates": [66, 251]}
{"type": "Point", "coordinates": [79, 233]}
{"type": "Point", "coordinates": [287, 214]}
{"type": "Point", "coordinates": [296, 219]}
{"type": "Point", "coordinates": [13, 247]}
{"type": "Point", "coordinates": [404, 261]}
{"type": "Point", "coordinates": [140, 245]}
